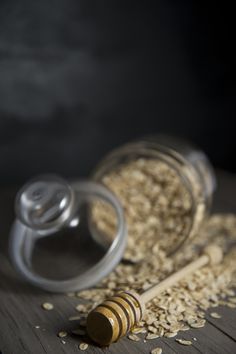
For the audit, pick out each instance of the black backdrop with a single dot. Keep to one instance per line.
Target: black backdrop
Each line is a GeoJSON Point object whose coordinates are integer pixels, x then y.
{"type": "Point", "coordinates": [78, 78]}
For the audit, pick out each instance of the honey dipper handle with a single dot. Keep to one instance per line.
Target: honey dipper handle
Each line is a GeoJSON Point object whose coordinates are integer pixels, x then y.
{"type": "Point", "coordinates": [212, 254]}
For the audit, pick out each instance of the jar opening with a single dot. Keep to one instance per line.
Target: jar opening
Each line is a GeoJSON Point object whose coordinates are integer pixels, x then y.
{"type": "Point", "coordinates": [160, 190]}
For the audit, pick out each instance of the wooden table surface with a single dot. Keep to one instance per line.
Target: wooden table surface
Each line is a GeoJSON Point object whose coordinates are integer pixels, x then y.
{"type": "Point", "coordinates": [20, 305]}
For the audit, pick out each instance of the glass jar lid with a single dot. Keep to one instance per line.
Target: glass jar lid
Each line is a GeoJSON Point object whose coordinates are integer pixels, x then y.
{"type": "Point", "coordinates": [55, 241]}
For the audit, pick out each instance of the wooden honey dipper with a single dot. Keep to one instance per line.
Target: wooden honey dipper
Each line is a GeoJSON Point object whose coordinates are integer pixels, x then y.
{"type": "Point", "coordinates": [115, 317]}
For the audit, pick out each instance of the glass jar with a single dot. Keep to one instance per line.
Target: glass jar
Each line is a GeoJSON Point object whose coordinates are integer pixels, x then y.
{"type": "Point", "coordinates": [165, 186]}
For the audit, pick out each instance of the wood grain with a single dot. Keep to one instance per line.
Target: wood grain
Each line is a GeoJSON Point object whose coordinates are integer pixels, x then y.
{"type": "Point", "coordinates": [20, 306]}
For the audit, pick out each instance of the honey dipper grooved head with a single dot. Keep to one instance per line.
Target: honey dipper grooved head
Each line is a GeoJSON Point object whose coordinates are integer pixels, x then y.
{"type": "Point", "coordinates": [114, 317]}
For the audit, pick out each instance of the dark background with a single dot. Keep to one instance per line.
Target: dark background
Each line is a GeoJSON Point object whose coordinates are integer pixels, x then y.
{"type": "Point", "coordinates": [78, 78]}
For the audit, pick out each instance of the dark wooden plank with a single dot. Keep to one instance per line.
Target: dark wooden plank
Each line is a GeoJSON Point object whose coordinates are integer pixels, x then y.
{"type": "Point", "coordinates": [20, 306]}
{"type": "Point", "coordinates": [227, 323]}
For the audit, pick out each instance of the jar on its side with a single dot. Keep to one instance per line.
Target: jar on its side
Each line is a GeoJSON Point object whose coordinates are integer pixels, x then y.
{"type": "Point", "coordinates": [165, 186]}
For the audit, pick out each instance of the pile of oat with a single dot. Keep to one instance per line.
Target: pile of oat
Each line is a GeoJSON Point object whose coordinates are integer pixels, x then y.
{"type": "Point", "coordinates": [159, 214]}
{"type": "Point", "coordinates": [183, 306]}
{"type": "Point", "coordinates": [156, 203]}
